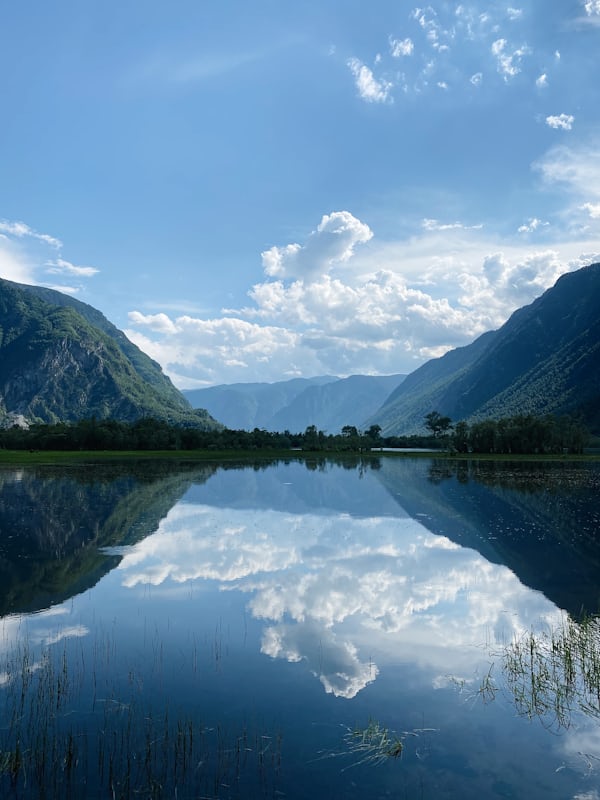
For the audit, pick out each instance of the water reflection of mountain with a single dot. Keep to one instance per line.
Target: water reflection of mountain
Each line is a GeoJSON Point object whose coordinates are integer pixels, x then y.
{"type": "Point", "coordinates": [53, 520]}
{"type": "Point", "coordinates": [300, 486]}
{"type": "Point", "coordinates": [539, 519]}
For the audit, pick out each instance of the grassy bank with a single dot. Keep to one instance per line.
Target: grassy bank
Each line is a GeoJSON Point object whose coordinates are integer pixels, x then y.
{"type": "Point", "coordinates": [24, 457]}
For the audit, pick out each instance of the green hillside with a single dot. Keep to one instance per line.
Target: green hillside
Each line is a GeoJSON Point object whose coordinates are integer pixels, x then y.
{"type": "Point", "coordinates": [61, 360]}
{"type": "Point", "coordinates": [544, 359]}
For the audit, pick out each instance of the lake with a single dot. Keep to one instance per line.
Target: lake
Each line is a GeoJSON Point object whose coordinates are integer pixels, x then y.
{"type": "Point", "coordinates": [392, 627]}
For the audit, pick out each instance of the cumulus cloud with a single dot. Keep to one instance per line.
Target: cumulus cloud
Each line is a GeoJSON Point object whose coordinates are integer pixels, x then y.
{"type": "Point", "coordinates": [593, 209]}
{"type": "Point", "coordinates": [332, 305]}
{"type": "Point", "coordinates": [560, 122]}
{"type": "Point", "coordinates": [333, 590]}
{"type": "Point", "coordinates": [592, 8]}
{"type": "Point", "coordinates": [542, 81]}
{"type": "Point", "coordinates": [369, 87]}
{"type": "Point", "coordinates": [333, 242]}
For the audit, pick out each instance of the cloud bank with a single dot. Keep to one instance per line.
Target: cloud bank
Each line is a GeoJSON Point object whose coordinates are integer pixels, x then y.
{"type": "Point", "coordinates": [343, 301]}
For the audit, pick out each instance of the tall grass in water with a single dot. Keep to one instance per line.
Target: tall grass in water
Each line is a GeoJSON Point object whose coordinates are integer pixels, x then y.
{"type": "Point", "coordinates": [549, 674]}
{"type": "Point", "coordinates": [66, 732]}
{"type": "Point", "coordinates": [557, 672]}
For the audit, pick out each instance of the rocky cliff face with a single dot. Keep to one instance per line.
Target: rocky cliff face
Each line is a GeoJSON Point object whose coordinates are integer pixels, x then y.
{"type": "Point", "coordinates": [63, 361]}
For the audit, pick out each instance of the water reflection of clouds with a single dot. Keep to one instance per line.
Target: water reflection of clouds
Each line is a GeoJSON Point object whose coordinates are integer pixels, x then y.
{"type": "Point", "coordinates": [36, 631]}
{"type": "Point", "coordinates": [335, 587]}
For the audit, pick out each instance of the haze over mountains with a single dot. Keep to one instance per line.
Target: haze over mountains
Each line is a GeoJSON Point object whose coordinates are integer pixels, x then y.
{"type": "Point", "coordinates": [326, 401]}
{"type": "Point", "coordinates": [62, 360]}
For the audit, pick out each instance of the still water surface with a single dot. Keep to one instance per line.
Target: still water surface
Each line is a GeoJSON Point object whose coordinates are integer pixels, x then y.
{"type": "Point", "coordinates": [298, 630]}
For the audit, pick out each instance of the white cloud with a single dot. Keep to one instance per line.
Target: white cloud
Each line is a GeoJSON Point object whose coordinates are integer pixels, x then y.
{"type": "Point", "coordinates": [435, 225]}
{"type": "Point", "coordinates": [341, 301]}
{"type": "Point", "coordinates": [59, 266]}
{"type": "Point", "coordinates": [542, 81]}
{"type": "Point", "coordinates": [333, 242]}
{"type": "Point", "coordinates": [369, 88]}
{"type": "Point", "coordinates": [476, 79]}
{"type": "Point", "coordinates": [592, 8]}
{"type": "Point", "coordinates": [576, 169]}
{"type": "Point", "coordinates": [401, 47]}
{"type": "Point", "coordinates": [21, 230]}
{"type": "Point", "coordinates": [508, 64]}
{"type": "Point", "coordinates": [593, 209]}
{"type": "Point", "coordinates": [561, 121]}
{"type": "Point", "coordinates": [531, 225]}
{"type": "Point", "coordinates": [339, 593]}
{"type": "Point", "coordinates": [514, 13]}
{"type": "Point", "coordinates": [27, 255]}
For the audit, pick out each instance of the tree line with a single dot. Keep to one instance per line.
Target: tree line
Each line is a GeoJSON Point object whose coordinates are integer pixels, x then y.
{"type": "Point", "coordinates": [519, 434]}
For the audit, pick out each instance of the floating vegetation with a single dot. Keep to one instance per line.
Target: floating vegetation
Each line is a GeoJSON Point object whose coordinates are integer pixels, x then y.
{"type": "Point", "coordinates": [373, 745]}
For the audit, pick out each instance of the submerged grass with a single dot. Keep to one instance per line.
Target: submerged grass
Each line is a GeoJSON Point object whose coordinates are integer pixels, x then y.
{"type": "Point", "coordinates": [65, 731]}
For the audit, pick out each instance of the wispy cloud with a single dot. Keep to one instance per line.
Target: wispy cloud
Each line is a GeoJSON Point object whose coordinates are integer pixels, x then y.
{"type": "Point", "coordinates": [27, 255]}
{"type": "Point", "coordinates": [435, 225]}
{"type": "Point", "coordinates": [532, 224]}
{"type": "Point", "coordinates": [401, 47]}
{"type": "Point", "coordinates": [61, 267]}
{"type": "Point", "coordinates": [21, 230]}
{"type": "Point", "coordinates": [369, 87]}
{"type": "Point", "coordinates": [508, 63]}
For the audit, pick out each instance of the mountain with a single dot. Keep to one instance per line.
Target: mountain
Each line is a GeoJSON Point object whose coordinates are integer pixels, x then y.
{"type": "Point", "coordinates": [245, 406]}
{"type": "Point", "coordinates": [327, 402]}
{"type": "Point", "coordinates": [544, 359]}
{"type": "Point", "coordinates": [62, 360]}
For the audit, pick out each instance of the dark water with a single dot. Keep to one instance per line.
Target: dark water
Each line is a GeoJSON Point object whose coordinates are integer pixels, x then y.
{"type": "Point", "coordinates": [297, 630]}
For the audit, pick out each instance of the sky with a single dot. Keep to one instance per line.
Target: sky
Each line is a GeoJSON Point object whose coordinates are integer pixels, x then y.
{"type": "Point", "coordinates": [268, 190]}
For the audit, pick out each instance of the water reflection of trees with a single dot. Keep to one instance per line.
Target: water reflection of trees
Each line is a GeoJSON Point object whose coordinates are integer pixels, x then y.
{"type": "Point", "coordinates": [53, 520]}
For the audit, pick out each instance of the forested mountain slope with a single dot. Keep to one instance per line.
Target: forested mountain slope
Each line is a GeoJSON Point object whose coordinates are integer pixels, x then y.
{"type": "Point", "coordinates": [62, 360]}
{"type": "Point", "coordinates": [544, 359]}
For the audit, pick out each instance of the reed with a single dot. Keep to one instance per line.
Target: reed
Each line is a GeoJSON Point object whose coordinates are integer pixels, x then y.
{"type": "Point", "coordinates": [68, 730]}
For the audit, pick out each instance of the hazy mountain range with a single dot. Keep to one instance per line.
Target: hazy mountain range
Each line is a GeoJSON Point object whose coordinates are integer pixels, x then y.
{"type": "Point", "coordinates": [326, 401]}
{"type": "Point", "coordinates": [61, 359]}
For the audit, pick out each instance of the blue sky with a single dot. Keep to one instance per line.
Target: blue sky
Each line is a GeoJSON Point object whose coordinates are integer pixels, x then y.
{"type": "Point", "coordinates": [258, 191]}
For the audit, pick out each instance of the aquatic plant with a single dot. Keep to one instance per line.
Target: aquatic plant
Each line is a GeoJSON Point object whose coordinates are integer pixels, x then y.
{"type": "Point", "coordinates": [548, 674]}
{"type": "Point", "coordinates": [67, 732]}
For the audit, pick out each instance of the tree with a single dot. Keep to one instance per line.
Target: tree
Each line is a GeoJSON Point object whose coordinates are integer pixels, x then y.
{"type": "Point", "coordinates": [437, 424]}
{"type": "Point", "coordinates": [461, 437]}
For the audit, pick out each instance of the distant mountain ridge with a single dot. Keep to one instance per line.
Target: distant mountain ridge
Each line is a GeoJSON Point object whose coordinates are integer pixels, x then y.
{"type": "Point", "coordinates": [327, 402]}
{"type": "Point", "coordinates": [62, 360]}
{"type": "Point", "coordinates": [544, 359]}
